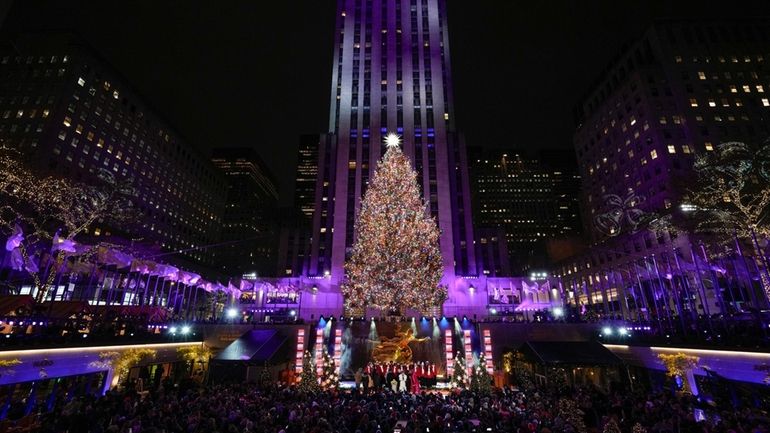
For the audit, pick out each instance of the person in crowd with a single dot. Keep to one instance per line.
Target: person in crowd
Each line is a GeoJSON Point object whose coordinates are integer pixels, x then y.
{"type": "Point", "coordinates": [358, 376]}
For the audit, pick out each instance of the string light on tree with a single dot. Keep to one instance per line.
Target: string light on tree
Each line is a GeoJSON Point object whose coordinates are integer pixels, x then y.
{"type": "Point", "coordinates": [396, 263]}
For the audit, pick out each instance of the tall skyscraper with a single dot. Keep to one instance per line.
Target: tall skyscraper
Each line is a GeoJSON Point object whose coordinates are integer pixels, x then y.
{"type": "Point", "coordinates": [532, 198]}
{"type": "Point", "coordinates": [680, 90]}
{"type": "Point", "coordinates": [391, 74]}
{"type": "Point", "coordinates": [70, 114]}
{"type": "Point", "coordinates": [307, 173]}
{"type": "Point", "coordinates": [249, 227]}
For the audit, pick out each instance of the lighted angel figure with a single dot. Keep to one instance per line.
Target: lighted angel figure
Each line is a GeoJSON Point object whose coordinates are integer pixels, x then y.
{"type": "Point", "coordinates": [620, 212]}
{"type": "Point", "coordinates": [396, 349]}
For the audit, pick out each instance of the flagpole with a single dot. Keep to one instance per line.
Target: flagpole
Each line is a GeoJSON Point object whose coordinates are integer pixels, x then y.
{"type": "Point", "coordinates": [675, 295]}
{"type": "Point", "coordinates": [644, 296]}
{"type": "Point", "coordinates": [704, 299]}
{"type": "Point", "coordinates": [751, 288]}
{"type": "Point", "coordinates": [666, 301]}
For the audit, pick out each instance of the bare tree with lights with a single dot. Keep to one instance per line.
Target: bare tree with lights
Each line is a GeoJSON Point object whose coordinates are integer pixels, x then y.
{"type": "Point", "coordinates": [731, 197]}
{"type": "Point", "coordinates": [43, 215]}
{"type": "Point", "coordinates": [396, 262]}
{"type": "Point", "coordinates": [732, 190]}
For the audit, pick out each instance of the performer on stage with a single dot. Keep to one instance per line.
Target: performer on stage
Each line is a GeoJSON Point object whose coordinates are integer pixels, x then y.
{"type": "Point", "coordinates": [415, 382]}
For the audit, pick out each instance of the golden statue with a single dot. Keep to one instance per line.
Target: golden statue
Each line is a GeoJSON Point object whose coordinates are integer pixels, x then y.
{"type": "Point", "coordinates": [396, 349]}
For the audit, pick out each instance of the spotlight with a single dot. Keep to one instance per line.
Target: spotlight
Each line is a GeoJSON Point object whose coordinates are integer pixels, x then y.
{"type": "Point", "coordinates": [558, 312]}
{"type": "Point", "coordinates": [622, 331]}
{"type": "Point", "coordinates": [172, 329]}
{"type": "Point", "coordinates": [185, 330]}
{"type": "Point", "coordinates": [607, 330]}
{"type": "Point", "coordinates": [493, 310]}
{"type": "Point", "coordinates": [231, 313]}
{"type": "Point", "coordinates": [292, 313]}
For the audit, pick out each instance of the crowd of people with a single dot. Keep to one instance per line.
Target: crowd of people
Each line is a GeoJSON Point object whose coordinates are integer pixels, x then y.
{"type": "Point", "coordinates": [246, 408]}
{"type": "Point", "coordinates": [411, 377]}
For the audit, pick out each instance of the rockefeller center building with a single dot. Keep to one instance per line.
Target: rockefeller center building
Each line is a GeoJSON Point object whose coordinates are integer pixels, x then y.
{"type": "Point", "coordinates": [391, 73]}
{"type": "Point", "coordinates": [70, 114]}
{"type": "Point", "coordinates": [679, 91]}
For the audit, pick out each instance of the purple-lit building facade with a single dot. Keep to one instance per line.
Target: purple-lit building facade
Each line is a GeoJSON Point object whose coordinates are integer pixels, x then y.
{"type": "Point", "coordinates": [678, 91]}
{"type": "Point", "coordinates": [70, 114]}
{"type": "Point", "coordinates": [391, 73]}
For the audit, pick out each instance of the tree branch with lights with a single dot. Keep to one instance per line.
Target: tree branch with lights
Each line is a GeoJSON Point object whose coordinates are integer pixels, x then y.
{"type": "Point", "coordinates": [44, 215]}
{"type": "Point", "coordinates": [396, 262]}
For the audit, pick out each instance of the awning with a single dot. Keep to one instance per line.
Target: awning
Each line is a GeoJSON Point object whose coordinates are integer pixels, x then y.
{"type": "Point", "coordinates": [258, 345]}
{"type": "Point", "coordinates": [568, 353]}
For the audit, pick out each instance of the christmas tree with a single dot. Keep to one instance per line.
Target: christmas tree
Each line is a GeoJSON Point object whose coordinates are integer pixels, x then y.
{"type": "Point", "coordinates": [265, 377]}
{"type": "Point", "coordinates": [481, 381]}
{"type": "Point", "coordinates": [329, 378]}
{"type": "Point", "coordinates": [307, 379]}
{"type": "Point", "coordinates": [460, 374]}
{"type": "Point", "coordinates": [611, 426]}
{"type": "Point", "coordinates": [568, 411]}
{"type": "Point", "coordinates": [396, 262]}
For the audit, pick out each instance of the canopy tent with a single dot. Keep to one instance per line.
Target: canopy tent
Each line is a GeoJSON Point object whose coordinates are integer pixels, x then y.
{"type": "Point", "coordinates": [258, 345]}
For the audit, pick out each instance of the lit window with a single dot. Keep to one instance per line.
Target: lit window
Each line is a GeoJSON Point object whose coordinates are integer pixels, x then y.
{"type": "Point", "coordinates": [19, 114]}
{"type": "Point", "coordinates": [81, 82]}
{"type": "Point", "coordinates": [663, 120]}
{"type": "Point", "coordinates": [765, 102]}
{"type": "Point", "coordinates": [654, 154]}
{"type": "Point", "coordinates": [115, 94]}
{"type": "Point", "coordinates": [712, 103]}
{"type": "Point", "coordinates": [760, 89]}
{"type": "Point", "coordinates": [738, 102]}
{"type": "Point", "coordinates": [685, 148]}
{"type": "Point", "coordinates": [701, 75]}
{"type": "Point", "coordinates": [100, 143]}
{"type": "Point", "coordinates": [79, 129]}
{"type": "Point", "coordinates": [678, 59]}
{"type": "Point", "coordinates": [747, 89]}
{"type": "Point", "coordinates": [671, 148]}
{"type": "Point", "coordinates": [693, 102]}
{"type": "Point", "coordinates": [67, 121]}
{"type": "Point", "coordinates": [733, 89]}
{"type": "Point", "coordinates": [446, 116]}
{"type": "Point", "coordinates": [709, 146]}
{"type": "Point", "coordinates": [45, 113]}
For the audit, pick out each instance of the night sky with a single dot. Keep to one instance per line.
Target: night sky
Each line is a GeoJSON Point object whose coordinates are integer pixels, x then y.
{"type": "Point", "coordinates": [257, 73]}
